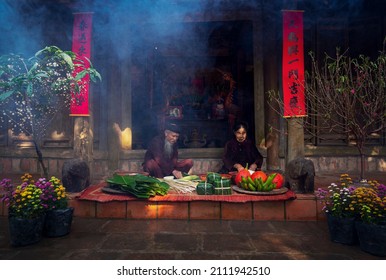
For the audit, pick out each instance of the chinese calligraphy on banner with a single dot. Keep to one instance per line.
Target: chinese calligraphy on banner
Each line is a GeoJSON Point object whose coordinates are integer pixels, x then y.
{"type": "Point", "coordinates": [81, 45]}
{"type": "Point", "coordinates": [293, 64]}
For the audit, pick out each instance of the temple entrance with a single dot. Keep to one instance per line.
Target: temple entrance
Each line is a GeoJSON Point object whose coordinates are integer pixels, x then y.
{"type": "Point", "coordinates": [203, 82]}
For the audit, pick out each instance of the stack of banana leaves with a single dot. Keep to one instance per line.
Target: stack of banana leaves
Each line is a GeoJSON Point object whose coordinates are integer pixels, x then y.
{"type": "Point", "coordinates": [138, 185]}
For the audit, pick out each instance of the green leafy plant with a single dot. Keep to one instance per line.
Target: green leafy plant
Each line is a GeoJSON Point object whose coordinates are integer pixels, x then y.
{"type": "Point", "coordinates": [33, 91]}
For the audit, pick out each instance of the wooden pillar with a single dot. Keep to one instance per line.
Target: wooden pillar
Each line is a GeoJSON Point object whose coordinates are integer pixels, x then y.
{"type": "Point", "coordinates": [295, 143]}
{"type": "Point", "coordinates": [272, 125]}
{"type": "Point", "coordinates": [258, 78]}
{"type": "Point", "coordinates": [113, 109]}
{"type": "Point", "coordinates": [271, 83]}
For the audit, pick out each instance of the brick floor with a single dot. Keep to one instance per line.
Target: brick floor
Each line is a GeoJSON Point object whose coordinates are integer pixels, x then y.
{"type": "Point", "coordinates": [115, 239]}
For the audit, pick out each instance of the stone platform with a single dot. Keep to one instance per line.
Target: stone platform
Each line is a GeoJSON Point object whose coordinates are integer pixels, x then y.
{"type": "Point", "coordinates": [304, 207]}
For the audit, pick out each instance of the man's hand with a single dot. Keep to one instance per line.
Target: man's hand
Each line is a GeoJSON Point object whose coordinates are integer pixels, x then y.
{"type": "Point", "coordinates": [177, 174]}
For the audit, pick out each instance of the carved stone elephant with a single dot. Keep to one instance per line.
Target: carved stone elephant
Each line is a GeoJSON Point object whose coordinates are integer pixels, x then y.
{"type": "Point", "coordinates": [300, 175]}
{"type": "Point", "coordinates": [75, 175]}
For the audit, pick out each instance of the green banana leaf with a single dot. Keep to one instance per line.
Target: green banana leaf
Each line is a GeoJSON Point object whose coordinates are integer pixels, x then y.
{"type": "Point", "coordinates": [121, 180]}
{"type": "Point", "coordinates": [140, 186]}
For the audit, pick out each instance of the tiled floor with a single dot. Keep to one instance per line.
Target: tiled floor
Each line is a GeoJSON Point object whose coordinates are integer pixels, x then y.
{"type": "Point", "coordinates": [118, 239]}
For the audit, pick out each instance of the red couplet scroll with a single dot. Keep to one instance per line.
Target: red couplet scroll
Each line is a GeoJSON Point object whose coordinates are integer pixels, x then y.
{"type": "Point", "coordinates": [81, 45]}
{"type": "Point", "coordinates": [293, 65]}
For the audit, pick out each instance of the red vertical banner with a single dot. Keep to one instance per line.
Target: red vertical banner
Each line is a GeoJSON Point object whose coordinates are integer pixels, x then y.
{"type": "Point", "coordinates": [81, 45]}
{"type": "Point", "coordinates": [293, 64]}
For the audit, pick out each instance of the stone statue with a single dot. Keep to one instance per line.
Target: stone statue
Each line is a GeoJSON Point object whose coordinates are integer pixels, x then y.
{"type": "Point", "coordinates": [75, 175]}
{"type": "Point", "coordinates": [300, 175]}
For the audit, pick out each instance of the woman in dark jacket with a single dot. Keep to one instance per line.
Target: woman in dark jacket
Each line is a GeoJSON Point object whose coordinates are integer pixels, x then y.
{"type": "Point", "coordinates": [240, 151]}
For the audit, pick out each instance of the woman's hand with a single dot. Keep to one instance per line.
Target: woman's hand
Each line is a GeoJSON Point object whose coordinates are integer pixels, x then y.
{"type": "Point", "coordinates": [177, 174]}
{"type": "Point", "coordinates": [238, 166]}
{"type": "Point", "coordinates": [253, 167]}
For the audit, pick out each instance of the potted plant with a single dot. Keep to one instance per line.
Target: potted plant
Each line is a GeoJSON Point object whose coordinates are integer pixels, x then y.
{"type": "Point", "coordinates": [26, 213]}
{"type": "Point", "coordinates": [55, 201]}
{"type": "Point", "coordinates": [356, 213]}
{"type": "Point", "coordinates": [36, 209]}
{"type": "Point", "coordinates": [336, 201]}
{"type": "Point", "coordinates": [33, 91]}
{"type": "Point", "coordinates": [370, 205]}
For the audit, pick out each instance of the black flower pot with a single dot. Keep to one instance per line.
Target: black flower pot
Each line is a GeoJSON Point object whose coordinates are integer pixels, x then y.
{"type": "Point", "coordinates": [25, 231]}
{"type": "Point", "coordinates": [372, 238]}
{"type": "Point", "coordinates": [58, 222]}
{"type": "Point", "coordinates": [342, 230]}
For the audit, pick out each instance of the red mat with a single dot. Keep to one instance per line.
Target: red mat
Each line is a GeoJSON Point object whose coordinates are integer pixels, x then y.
{"type": "Point", "coordinates": [95, 193]}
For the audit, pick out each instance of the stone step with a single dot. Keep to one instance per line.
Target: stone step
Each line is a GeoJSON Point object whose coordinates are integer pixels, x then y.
{"type": "Point", "coordinates": [303, 208]}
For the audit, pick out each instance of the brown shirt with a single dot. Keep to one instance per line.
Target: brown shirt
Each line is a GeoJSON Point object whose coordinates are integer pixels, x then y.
{"type": "Point", "coordinates": [155, 151]}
